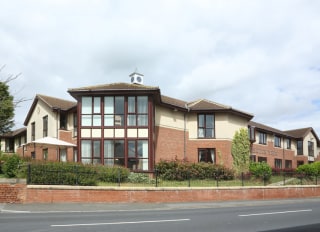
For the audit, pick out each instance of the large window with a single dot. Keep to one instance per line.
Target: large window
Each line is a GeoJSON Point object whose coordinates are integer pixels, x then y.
{"type": "Point", "coordinates": [206, 155]}
{"type": "Point", "coordinates": [114, 111]}
{"type": "Point", "coordinates": [206, 126]}
{"type": "Point", "coordinates": [137, 111]}
{"type": "Point", "coordinates": [262, 138]}
{"type": "Point", "coordinates": [90, 151]}
{"type": "Point", "coordinates": [138, 154]}
{"type": "Point", "coordinates": [91, 111]}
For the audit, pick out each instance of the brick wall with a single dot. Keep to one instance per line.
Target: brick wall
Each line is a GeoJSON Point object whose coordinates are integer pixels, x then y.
{"type": "Point", "coordinates": [12, 192]}
{"type": "Point", "coordinates": [59, 194]}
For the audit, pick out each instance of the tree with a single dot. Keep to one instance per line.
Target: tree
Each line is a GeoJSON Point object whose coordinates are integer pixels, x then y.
{"type": "Point", "coordinates": [241, 151]}
{"type": "Point", "coordinates": [6, 108]}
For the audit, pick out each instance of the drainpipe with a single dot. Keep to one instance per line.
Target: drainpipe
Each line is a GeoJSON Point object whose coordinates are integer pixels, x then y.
{"type": "Point", "coordinates": [185, 133]}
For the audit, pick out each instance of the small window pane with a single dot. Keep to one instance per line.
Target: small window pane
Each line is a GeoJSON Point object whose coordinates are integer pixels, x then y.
{"type": "Point", "coordinates": [132, 120]}
{"type": "Point", "coordinates": [201, 120]}
{"type": "Point", "coordinates": [143, 149]}
{"type": "Point", "coordinates": [142, 104]}
{"type": "Point", "coordinates": [108, 120]}
{"type": "Point", "coordinates": [119, 149]}
{"type": "Point", "coordinates": [209, 133]}
{"type": "Point", "coordinates": [131, 148]}
{"type": "Point", "coordinates": [209, 121]}
{"type": "Point", "coordinates": [119, 105]}
{"type": "Point", "coordinates": [86, 120]}
{"type": "Point", "coordinates": [142, 120]}
{"type": "Point", "coordinates": [96, 108]}
{"type": "Point", "coordinates": [96, 149]}
{"type": "Point", "coordinates": [131, 104]}
{"type": "Point", "coordinates": [201, 133]}
{"type": "Point", "coordinates": [96, 120]}
{"type": "Point", "coordinates": [86, 149]}
{"type": "Point", "coordinates": [86, 105]}
{"type": "Point", "coordinates": [108, 105]}
{"type": "Point", "coordinates": [108, 149]}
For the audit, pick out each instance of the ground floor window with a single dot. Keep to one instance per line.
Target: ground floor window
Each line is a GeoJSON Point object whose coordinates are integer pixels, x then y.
{"type": "Point", "coordinates": [278, 163]}
{"type": "Point", "coordinates": [299, 163]}
{"type": "Point", "coordinates": [133, 154]}
{"type": "Point", "coordinates": [63, 155]}
{"type": "Point", "coordinates": [288, 163]}
{"type": "Point", "coordinates": [206, 155]}
{"type": "Point", "coordinates": [262, 159]}
{"type": "Point", "coordinates": [253, 158]}
{"type": "Point", "coordinates": [45, 153]}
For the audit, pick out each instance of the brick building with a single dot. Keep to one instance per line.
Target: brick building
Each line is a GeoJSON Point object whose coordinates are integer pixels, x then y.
{"type": "Point", "coordinates": [134, 125]}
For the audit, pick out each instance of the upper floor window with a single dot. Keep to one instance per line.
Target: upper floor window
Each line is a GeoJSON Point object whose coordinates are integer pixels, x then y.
{"type": "Point", "coordinates": [300, 147]}
{"type": "Point", "coordinates": [277, 141]}
{"type": "Point", "coordinates": [262, 138]}
{"type": "Point", "coordinates": [206, 126]}
{"type": "Point", "coordinates": [75, 124]}
{"type": "Point", "coordinates": [33, 131]}
{"type": "Point", "coordinates": [310, 148]}
{"type": "Point", "coordinates": [63, 120]}
{"type": "Point", "coordinates": [45, 126]}
{"type": "Point", "coordinates": [288, 141]}
{"type": "Point", "coordinates": [252, 134]}
{"type": "Point", "coordinates": [91, 111]}
{"type": "Point", "coordinates": [137, 111]}
{"type": "Point", "coordinates": [114, 111]}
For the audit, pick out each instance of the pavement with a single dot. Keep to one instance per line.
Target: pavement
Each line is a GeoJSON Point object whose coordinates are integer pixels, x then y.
{"type": "Point", "coordinates": [105, 207]}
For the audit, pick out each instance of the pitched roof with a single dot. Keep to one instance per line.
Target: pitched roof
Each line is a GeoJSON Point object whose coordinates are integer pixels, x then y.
{"type": "Point", "coordinates": [301, 132]}
{"type": "Point", "coordinates": [268, 129]}
{"type": "Point", "coordinates": [14, 133]}
{"type": "Point", "coordinates": [173, 102]}
{"type": "Point", "coordinates": [113, 86]}
{"type": "Point", "coordinates": [52, 102]}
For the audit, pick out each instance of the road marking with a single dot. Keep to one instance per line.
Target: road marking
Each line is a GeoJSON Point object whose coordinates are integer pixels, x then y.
{"type": "Point", "coordinates": [13, 211]}
{"type": "Point", "coordinates": [272, 213]}
{"type": "Point", "coordinates": [121, 223]}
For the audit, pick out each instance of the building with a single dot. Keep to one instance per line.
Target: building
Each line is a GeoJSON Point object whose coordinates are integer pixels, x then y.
{"type": "Point", "coordinates": [11, 141]}
{"type": "Point", "coordinates": [134, 125]}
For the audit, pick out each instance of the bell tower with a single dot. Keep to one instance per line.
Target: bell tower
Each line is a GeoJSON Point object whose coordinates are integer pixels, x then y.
{"type": "Point", "coordinates": [136, 78]}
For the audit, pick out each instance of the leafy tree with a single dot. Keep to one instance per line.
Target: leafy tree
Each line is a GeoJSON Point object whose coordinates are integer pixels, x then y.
{"type": "Point", "coordinates": [6, 108]}
{"type": "Point", "coordinates": [241, 151]}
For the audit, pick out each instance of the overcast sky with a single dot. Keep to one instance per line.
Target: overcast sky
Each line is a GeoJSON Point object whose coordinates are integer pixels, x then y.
{"type": "Point", "coordinates": [262, 57]}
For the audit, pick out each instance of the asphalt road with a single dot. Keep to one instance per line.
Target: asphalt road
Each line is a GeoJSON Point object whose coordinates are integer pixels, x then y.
{"type": "Point", "coordinates": [290, 215]}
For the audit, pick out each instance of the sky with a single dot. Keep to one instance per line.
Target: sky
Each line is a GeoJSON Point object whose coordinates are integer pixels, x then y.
{"type": "Point", "coordinates": [258, 56]}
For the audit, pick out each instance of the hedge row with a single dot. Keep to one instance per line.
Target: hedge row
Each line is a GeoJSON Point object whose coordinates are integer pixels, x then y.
{"type": "Point", "coordinates": [180, 170]}
{"type": "Point", "coordinates": [58, 173]}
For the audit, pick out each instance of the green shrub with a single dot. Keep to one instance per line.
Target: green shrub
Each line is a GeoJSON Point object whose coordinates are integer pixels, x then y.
{"type": "Point", "coordinates": [180, 170]}
{"type": "Point", "coordinates": [112, 174]}
{"type": "Point", "coordinates": [309, 170]}
{"type": "Point", "coordinates": [10, 165]}
{"type": "Point", "coordinates": [260, 170]}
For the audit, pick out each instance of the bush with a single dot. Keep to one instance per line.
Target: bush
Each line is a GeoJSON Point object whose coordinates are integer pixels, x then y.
{"type": "Point", "coordinates": [112, 174]}
{"type": "Point", "coordinates": [140, 178]}
{"type": "Point", "coordinates": [180, 170]}
{"type": "Point", "coordinates": [10, 165]}
{"type": "Point", "coordinates": [309, 170]}
{"type": "Point", "coordinates": [261, 170]}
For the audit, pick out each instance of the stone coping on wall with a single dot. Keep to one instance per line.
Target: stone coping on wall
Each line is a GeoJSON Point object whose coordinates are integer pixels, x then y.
{"type": "Point", "coordinates": [12, 181]}
{"type": "Point", "coordinates": [71, 187]}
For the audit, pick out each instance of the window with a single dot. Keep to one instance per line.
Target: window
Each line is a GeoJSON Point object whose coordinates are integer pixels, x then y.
{"type": "Point", "coordinates": [288, 142]}
{"type": "Point", "coordinates": [262, 138]}
{"type": "Point", "coordinates": [45, 153]}
{"type": "Point", "coordinates": [33, 131]}
{"type": "Point", "coordinates": [90, 151]}
{"type": "Point", "coordinates": [137, 111]}
{"type": "Point", "coordinates": [262, 159]}
{"type": "Point", "coordinates": [253, 158]}
{"type": "Point", "coordinates": [206, 126]}
{"type": "Point", "coordinates": [63, 155]}
{"type": "Point", "coordinates": [91, 111]}
{"type": "Point", "coordinates": [206, 155]}
{"type": "Point", "coordinates": [114, 111]}
{"type": "Point", "coordinates": [300, 147]}
{"type": "Point", "coordinates": [278, 163]}
{"type": "Point", "coordinates": [252, 134]}
{"type": "Point", "coordinates": [288, 164]}
{"type": "Point", "coordinates": [277, 141]}
{"type": "Point", "coordinates": [138, 154]}
{"type": "Point", "coordinates": [114, 152]}
{"type": "Point", "coordinates": [310, 148]}
{"type": "Point", "coordinates": [63, 120]}
{"type": "Point", "coordinates": [45, 126]}
{"type": "Point", "coordinates": [299, 162]}
{"type": "Point", "coordinates": [75, 124]}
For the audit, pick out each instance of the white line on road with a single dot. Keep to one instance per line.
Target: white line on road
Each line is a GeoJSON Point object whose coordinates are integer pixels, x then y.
{"type": "Point", "coordinates": [120, 223]}
{"type": "Point", "coordinates": [272, 213]}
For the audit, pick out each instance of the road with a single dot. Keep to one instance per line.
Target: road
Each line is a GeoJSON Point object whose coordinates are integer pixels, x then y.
{"type": "Point", "coordinates": [290, 215]}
